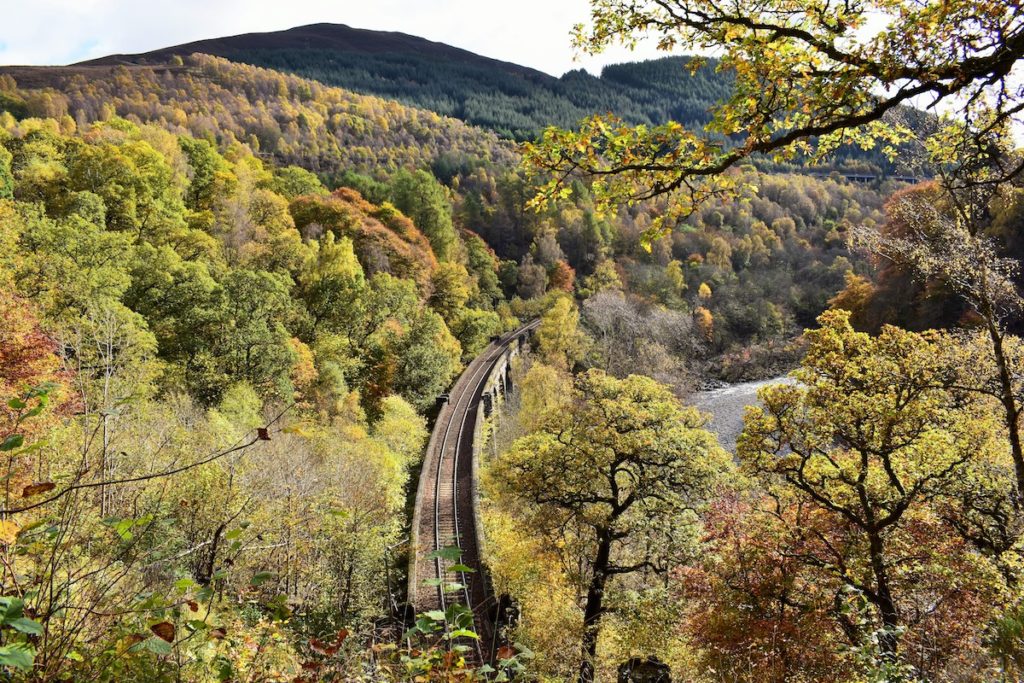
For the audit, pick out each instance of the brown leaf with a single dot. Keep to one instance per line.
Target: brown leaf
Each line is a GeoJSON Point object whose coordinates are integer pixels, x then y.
{"type": "Point", "coordinates": [218, 633]}
{"type": "Point", "coordinates": [342, 635]}
{"type": "Point", "coordinates": [133, 639]}
{"type": "Point", "coordinates": [193, 605]}
{"type": "Point", "coordinates": [164, 630]}
{"type": "Point", "coordinates": [506, 652]}
{"type": "Point", "coordinates": [36, 489]}
{"type": "Point", "coordinates": [263, 434]}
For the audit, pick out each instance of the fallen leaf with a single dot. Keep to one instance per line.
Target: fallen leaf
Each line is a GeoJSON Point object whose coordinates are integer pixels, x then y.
{"type": "Point", "coordinates": [218, 633]}
{"type": "Point", "coordinates": [193, 605]}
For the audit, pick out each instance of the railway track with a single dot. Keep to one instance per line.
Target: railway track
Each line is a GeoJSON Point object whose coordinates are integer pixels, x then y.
{"type": "Point", "coordinates": [445, 514]}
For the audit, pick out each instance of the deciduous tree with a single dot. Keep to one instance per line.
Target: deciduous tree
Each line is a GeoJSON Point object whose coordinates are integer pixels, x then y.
{"type": "Point", "coordinates": [613, 482]}
{"type": "Point", "coordinates": [860, 449]}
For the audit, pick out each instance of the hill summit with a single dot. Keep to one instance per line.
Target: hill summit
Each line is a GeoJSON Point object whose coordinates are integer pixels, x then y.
{"type": "Point", "coordinates": [515, 101]}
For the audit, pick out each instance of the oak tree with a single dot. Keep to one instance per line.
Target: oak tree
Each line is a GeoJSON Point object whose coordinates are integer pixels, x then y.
{"type": "Point", "coordinates": [613, 481]}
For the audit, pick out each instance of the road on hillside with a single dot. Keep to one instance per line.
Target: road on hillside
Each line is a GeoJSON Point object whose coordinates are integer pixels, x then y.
{"type": "Point", "coordinates": [445, 515]}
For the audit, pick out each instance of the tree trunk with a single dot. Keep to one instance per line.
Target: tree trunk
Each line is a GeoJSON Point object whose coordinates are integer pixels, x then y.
{"type": "Point", "coordinates": [883, 596]}
{"type": "Point", "coordinates": [1011, 412]}
{"type": "Point", "coordinates": [595, 607]}
{"type": "Point", "coordinates": [209, 563]}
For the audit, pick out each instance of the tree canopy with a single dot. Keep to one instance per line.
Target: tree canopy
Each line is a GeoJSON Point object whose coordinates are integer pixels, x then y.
{"type": "Point", "coordinates": [809, 76]}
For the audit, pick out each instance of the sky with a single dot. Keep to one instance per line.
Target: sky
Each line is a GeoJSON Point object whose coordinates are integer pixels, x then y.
{"type": "Point", "coordinates": [533, 33]}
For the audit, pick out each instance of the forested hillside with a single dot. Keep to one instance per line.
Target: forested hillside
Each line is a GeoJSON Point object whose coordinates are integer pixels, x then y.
{"type": "Point", "coordinates": [512, 100]}
{"type": "Point", "coordinates": [758, 269]}
{"type": "Point", "coordinates": [297, 121]}
{"type": "Point", "coordinates": [161, 300]}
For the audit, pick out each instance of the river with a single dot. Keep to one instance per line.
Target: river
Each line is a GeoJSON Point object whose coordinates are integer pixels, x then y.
{"type": "Point", "coordinates": [726, 406]}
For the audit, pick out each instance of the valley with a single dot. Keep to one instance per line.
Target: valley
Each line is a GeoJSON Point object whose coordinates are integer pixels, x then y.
{"type": "Point", "coordinates": [331, 354]}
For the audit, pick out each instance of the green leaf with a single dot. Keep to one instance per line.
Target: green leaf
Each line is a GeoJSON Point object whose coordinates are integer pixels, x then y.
{"type": "Point", "coordinates": [461, 568]}
{"type": "Point", "coordinates": [184, 584]}
{"type": "Point", "coordinates": [196, 625]}
{"type": "Point", "coordinates": [18, 656]}
{"type": "Point", "coordinates": [435, 614]}
{"type": "Point", "coordinates": [25, 625]}
{"type": "Point", "coordinates": [10, 609]}
{"type": "Point", "coordinates": [16, 404]}
{"type": "Point", "coordinates": [452, 554]}
{"type": "Point", "coordinates": [260, 578]}
{"type": "Point", "coordinates": [463, 633]}
{"type": "Point", "coordinates": [157, 646]}
{"type": "Point", "coordinates": [524, 652]}
{"type": "Point", "coordinates": [123, 527]}
{"type": "Point", "coordinates": [11, 442]}
{"type": "Point", "coordinates": [74, 656]}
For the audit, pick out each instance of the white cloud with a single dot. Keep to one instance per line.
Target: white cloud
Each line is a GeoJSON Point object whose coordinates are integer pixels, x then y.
{"type": "Point", "coordinates": [530, 32]}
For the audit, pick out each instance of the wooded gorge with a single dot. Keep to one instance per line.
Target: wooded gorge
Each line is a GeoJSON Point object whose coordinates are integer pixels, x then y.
{"type": "Point", "coordinates": [234, 301]}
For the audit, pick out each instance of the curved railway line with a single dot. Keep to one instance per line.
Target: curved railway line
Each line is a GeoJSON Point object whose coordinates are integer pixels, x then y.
{"type": "Point", "coordinates": [445, 512]}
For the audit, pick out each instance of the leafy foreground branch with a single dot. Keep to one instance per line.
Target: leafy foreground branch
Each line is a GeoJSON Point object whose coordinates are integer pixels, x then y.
{"type": "Point", "coordinates": [809, 78]}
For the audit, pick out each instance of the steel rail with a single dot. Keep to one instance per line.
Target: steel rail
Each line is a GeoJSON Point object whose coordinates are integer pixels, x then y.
{"type": "Point", "coordinates": [470, 391]}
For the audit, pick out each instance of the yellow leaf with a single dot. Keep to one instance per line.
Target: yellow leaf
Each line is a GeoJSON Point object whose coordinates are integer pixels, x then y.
{"type": "Point", "coordinates": [8, 531]}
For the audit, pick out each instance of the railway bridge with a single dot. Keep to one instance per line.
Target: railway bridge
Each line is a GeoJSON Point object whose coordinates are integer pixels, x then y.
{"type": "Point", "coordinates": [445, 513]}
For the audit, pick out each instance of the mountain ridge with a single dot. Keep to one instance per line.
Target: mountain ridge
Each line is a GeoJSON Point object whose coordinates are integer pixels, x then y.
{"type": "Point", "coordinates": [319, 35]}
{"type": "Point", "coordinates": [513, 100]}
